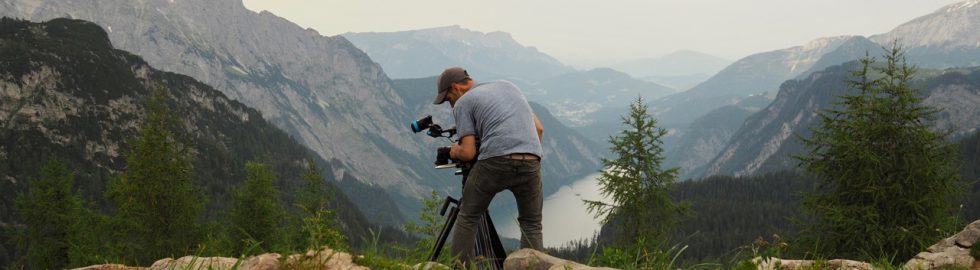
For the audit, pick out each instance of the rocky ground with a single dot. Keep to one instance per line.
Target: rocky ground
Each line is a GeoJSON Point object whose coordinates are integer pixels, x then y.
{"type": "Point", "coordinates": [950, 253]}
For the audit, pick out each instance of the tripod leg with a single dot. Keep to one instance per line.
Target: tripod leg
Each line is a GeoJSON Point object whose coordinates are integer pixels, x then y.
{"type": "Point", "coordinates": [444, 234]}
{"type": "Point", "coordinates": [495, 247]}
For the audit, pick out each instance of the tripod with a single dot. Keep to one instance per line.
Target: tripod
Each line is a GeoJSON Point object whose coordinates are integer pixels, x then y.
{"type": "Point", "coordinates": [487, 243]}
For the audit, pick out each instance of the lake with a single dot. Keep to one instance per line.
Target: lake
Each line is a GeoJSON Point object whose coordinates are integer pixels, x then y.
{"type": "Point", "coordinates": [565, 215]}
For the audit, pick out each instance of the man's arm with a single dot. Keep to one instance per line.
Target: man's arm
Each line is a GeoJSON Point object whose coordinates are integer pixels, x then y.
{"type": "Point", "coordinates": [465, 150]}
{"type": "Point", "coordinates": [537, 124]}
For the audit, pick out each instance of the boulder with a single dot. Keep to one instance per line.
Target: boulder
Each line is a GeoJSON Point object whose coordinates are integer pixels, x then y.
{"type": "Point", "coordinates": [529, 259]}
{"type": "Point", "coordinates": [430, 266]}
{"type": "Point", "coordinates": [952, 252]}
{"type": "Point", "coordinates": [110, 267]}
{"type": "Point", "coordinates": [324, 259]}
{"type": "Point", "coordinates": [193, 262]}
{"type": "Point", "coordinates": [781, 264]}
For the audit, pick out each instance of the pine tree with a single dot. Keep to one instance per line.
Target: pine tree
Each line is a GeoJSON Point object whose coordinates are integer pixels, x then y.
{"type": "Point", "coordinates": [49, 212]}
{"type": "Point", "coordinates": [636, 184]}
{"type": "Point", "coordinates": [427, 229]}
{"type": "Point", "coordinates": [314, 223]}
{"type": "Point", "coordinates": [157, 208]}
{"type": "Point", "coordinates": [256, 212]}
{"type": "Point", "coordinates": [886, 187]}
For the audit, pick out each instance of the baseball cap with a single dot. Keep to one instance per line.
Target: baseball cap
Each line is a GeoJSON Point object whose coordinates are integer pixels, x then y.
{"type": "Point", "coordinates": [446, 80]}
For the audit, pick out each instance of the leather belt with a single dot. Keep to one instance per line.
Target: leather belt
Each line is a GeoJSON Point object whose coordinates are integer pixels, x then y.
{"type": "Point", "coordinates": [522, 156]}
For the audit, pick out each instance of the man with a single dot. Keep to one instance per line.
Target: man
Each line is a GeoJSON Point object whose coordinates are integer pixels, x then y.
{"type": "Point", "coordinates": [498, 116]}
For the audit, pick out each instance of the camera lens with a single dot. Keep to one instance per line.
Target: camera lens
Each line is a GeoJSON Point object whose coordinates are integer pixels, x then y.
{"type": "Point", "coordinates": [421, 124]}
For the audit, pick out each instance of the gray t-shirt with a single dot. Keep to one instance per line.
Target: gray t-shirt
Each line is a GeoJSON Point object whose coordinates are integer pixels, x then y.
{"type": "Point", "coordinates": [498, 114]}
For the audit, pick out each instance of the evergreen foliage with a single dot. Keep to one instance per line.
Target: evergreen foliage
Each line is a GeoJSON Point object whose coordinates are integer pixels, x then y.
{"type": "Point", "coordinates": [317, 226]}
{"type": "Point", "coordinates": [427, 229]}
{"type": "Point", "coordinates": [970, 170]}
{"type": "Point", "coordinates": [639, 189]}
{"type": "Point", "coordinates": [886, 184]}
{"type": "Point", "coordinates": [157, 207]}
{"type": "Point", "coordinates": [256, 213]}
{"type": "Point", "coordinates": [50, 212]}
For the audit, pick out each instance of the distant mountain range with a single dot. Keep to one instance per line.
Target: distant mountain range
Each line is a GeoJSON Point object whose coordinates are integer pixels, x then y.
{"type": "Point", "coordinates": [572, 95]}
{"type": "Point", "coordinates": [679, 70]}
{"type": "Point", "coordinates": [942, 39]}
{"type": "Point", "coordinates": [426, 52]}
{"type": "Point", "coordinates": [576, 96]}
{"type": "Point", "coordinates": [767, 140]}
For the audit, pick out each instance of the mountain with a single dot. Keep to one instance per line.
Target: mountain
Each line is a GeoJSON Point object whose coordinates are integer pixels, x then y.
{"type": "Point", "coordinates": [947, 37]}
{"type": "Point", "coordinates": [678, 70]}
{"type": "Point", "coordinates": [67, 94]}
{"type": "Point", "coordinates": [323, 91]}
{"type": "Point", "coordinates": [575, 96]}
{"type": "Point", "coordinates": [705, 137]}
{"type": "Point", "coordinates": [751, 75]}
{"type": "Point", "coordinates": [426, 52]}
{"type": "Point", "coordinates": [680, 82]}
{"type": "Point", "coordinates": [765, 71]}
{"type": "Point", "coordinates": [767, 139]}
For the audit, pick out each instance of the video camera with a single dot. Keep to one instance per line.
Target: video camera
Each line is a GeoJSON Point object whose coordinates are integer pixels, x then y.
{"type": "Point", "coordinates": [436, 131]}
{"type": "Point", "coordinates": [487, 244]}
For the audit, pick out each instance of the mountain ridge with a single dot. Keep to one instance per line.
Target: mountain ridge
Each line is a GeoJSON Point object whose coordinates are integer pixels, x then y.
{"type": "Point", "coordinates": [766, 140]}
{"type": "Point", "coordinates": [426, 52]}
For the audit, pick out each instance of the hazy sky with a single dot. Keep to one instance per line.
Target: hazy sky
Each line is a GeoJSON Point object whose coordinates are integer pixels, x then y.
{"type": "Point", "coordinates": [591, 33]}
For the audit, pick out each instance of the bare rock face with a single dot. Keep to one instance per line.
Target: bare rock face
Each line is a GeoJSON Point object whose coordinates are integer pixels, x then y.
{"type": "Point", "coordinates": [529, 259]}
{"type": "Point", "coordinates": [950, 252]}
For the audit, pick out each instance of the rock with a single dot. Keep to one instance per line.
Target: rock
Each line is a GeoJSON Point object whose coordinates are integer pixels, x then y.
{"type": "Point", "coordinates": [529, 259]}
{"type": "Point", "coordinates": [194, 262]}
{"type": "Point", "coordinates": [950, 252]}
{"type": "Point", "coordinates": [268, 261]}
{"type": "Point", "coordinates": [324, 259]}
{"type": "Point", "coordinates": [430, 266]}
{"type": "Point", "coordinates": [838, 264]}
{"type": "Point", "coordinates": [110, 267]}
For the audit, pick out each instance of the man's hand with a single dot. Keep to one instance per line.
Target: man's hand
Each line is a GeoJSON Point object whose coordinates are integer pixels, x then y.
{"type": "Point", "coordinates": [538, 127]}
{"type": "Point", "coordinates": [465, 150]}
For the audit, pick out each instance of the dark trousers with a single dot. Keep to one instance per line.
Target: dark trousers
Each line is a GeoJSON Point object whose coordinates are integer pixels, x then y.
{"type": "Point", "coordinates": [486, 179]}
